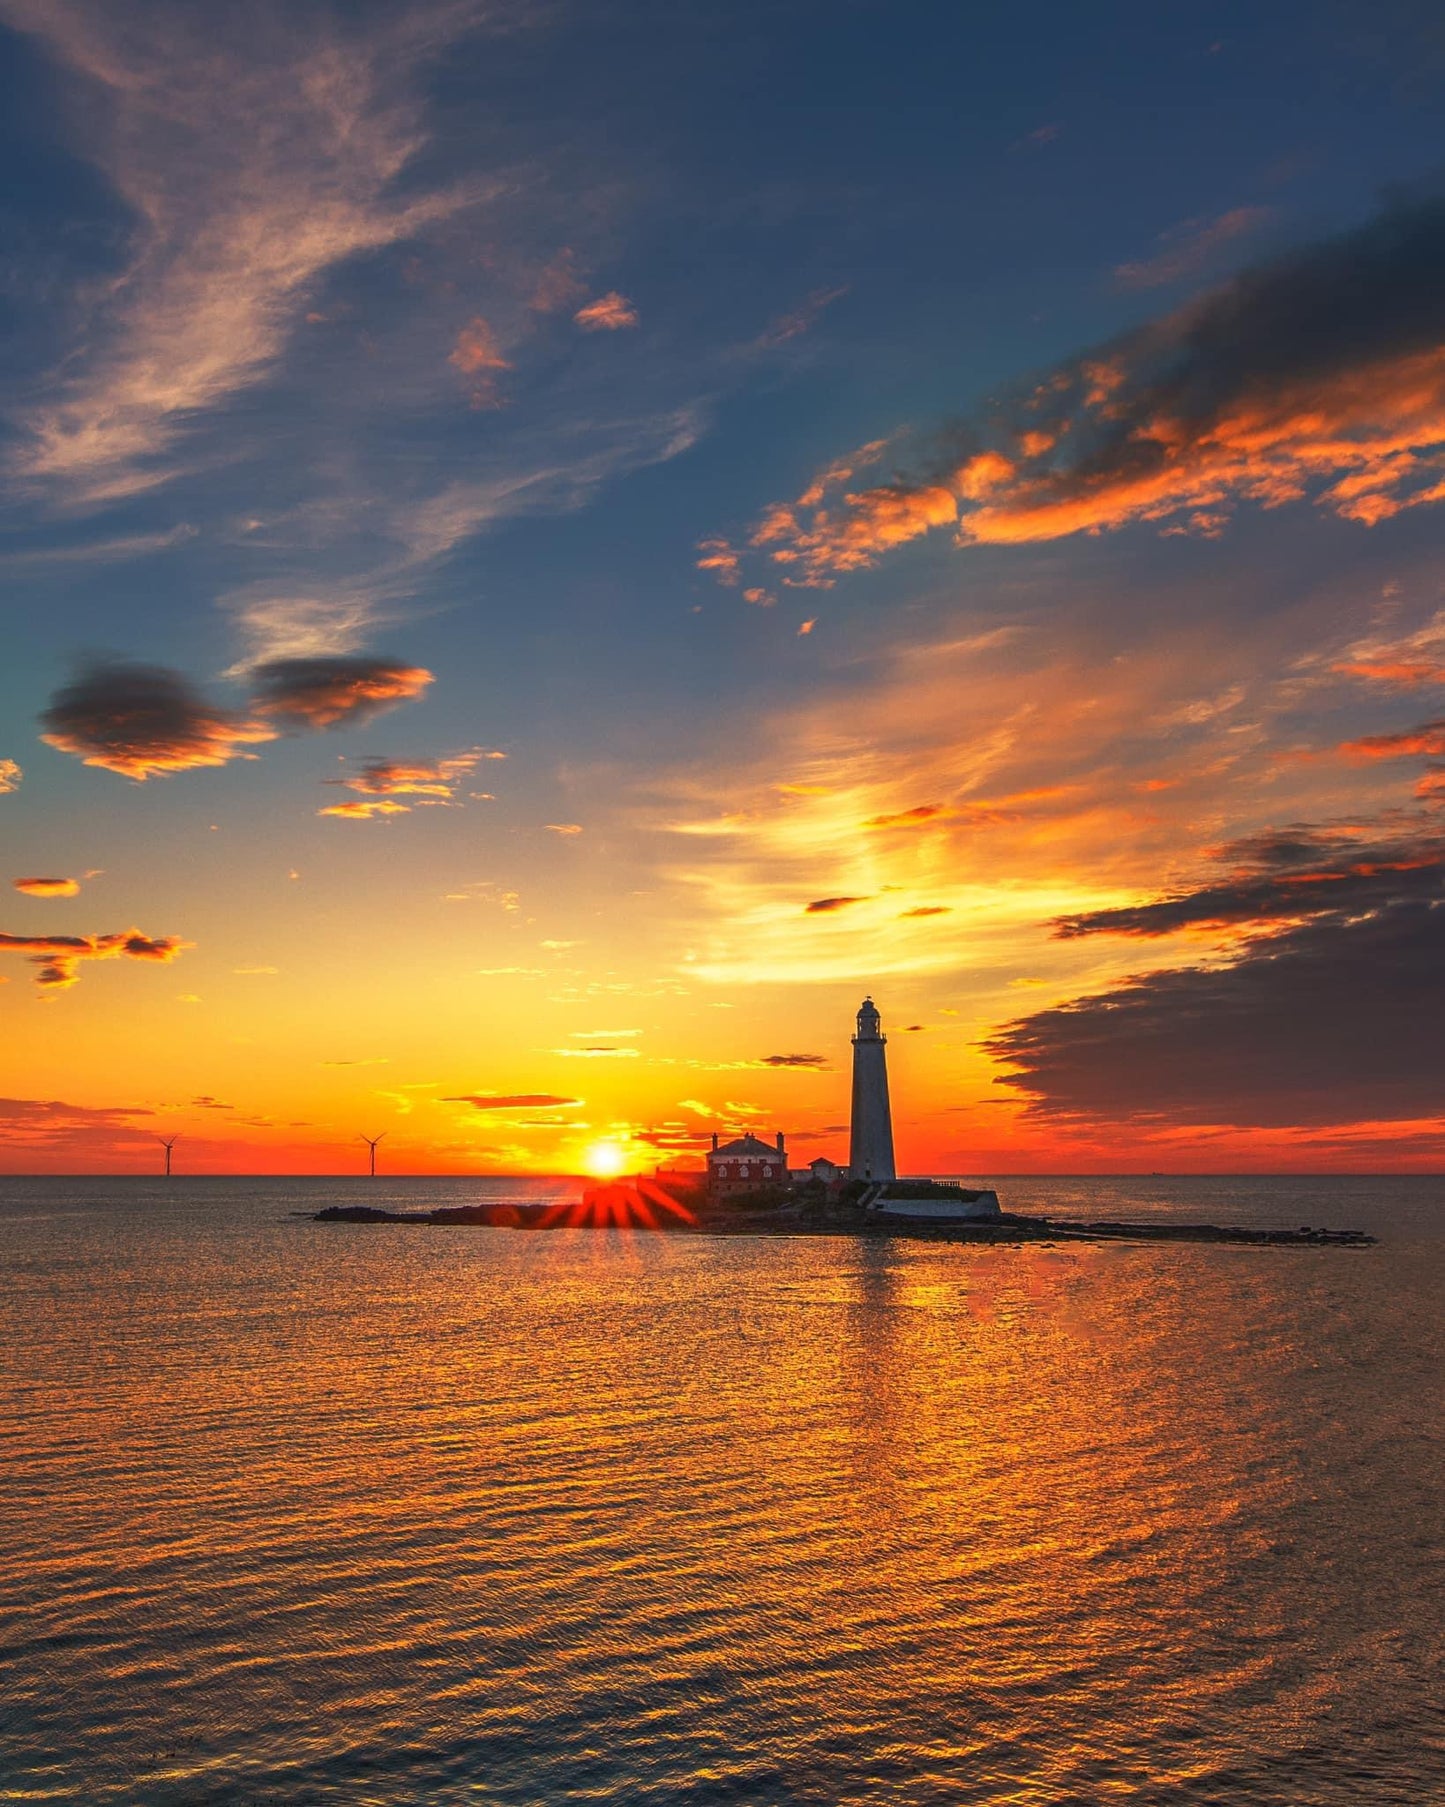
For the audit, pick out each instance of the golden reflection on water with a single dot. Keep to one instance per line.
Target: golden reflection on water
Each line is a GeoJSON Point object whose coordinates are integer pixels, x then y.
{"type": "Point", "coordinates": [301, 1512]}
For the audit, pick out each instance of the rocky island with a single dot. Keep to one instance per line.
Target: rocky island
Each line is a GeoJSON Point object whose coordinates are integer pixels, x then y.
{"type": "Point", "coordinates": [958, 1214]}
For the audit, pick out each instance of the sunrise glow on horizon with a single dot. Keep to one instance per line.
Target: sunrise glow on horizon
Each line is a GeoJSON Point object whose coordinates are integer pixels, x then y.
{"type": "Point", "coordinates": [528, 600]}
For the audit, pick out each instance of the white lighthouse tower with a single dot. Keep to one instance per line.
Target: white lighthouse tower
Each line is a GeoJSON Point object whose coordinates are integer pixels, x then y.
{"type": "Point", "coordinates": [870, 1148]}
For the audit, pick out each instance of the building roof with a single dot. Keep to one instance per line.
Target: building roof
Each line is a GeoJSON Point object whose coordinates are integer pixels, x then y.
{"type": "Point", "coordinates": [747, 1148]}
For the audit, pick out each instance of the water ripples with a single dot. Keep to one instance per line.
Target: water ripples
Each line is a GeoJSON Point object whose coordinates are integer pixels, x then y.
{"type": "Point", "coordinates": [300, 1513]}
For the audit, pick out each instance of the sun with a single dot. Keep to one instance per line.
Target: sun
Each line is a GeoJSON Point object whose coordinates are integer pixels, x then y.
{"type": "Point", "coordinates": [605, 1159]}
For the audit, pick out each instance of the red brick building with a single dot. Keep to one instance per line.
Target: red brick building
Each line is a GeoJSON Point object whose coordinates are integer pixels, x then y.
{"type": "Point", "coordinates": [745, 1164]}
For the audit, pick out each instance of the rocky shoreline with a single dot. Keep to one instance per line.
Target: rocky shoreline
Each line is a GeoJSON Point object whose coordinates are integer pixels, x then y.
{"type": "Point", "coordinates": [841, 1220]}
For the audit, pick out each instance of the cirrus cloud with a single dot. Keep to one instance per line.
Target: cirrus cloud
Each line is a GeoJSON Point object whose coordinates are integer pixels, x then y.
{"type": "Point", "coordinates": [1187, 249]}
{"type": "Point", "coordinates": [254, 163]}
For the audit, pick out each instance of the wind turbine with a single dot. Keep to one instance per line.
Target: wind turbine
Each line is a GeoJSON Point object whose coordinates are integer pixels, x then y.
{"type": "Point", "coordinates": [168, 1143]}
{"type": "Point", "coordinates": [371, 1142]}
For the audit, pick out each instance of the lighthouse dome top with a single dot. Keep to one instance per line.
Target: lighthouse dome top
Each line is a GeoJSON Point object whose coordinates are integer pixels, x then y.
{"type": "Point", "coordinates": [868, 1021]}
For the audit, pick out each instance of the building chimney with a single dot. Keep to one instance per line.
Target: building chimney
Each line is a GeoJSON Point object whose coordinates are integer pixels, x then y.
{"type": "Point", "coordinates": [714, 1141]}
{"type": "Point", "coordinates": [781, 1150]}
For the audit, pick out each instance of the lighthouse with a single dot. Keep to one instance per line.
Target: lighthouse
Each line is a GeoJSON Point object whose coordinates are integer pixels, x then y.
{"type": "Point", "coordinates": [870, 1150]}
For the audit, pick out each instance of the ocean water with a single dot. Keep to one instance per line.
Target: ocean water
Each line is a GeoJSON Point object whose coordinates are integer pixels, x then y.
{"type": "Point", "coordinates": [301, 1513]}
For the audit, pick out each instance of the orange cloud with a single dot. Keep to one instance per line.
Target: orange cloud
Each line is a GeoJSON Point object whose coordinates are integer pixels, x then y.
{"type": "Point", "coordinates": [363, 812]}
{"type": "Point", "coordinates": [332, 692]}
{"type": "Point", "coordinates": [722, 561]}
{"type": "Point", "coordinates": [609, 313]}
{"type": "Point", "coordinates": [58, 957]}
{"type": "Point", "coordinates": [429, 781]}
{"type": "Point", "coordinates": [825, 906]}
{"type": "Point", "coordinates": [851, 537]}
{"type": "Point", "coordinates": [1425, 742]}
{"type": "Point", "coordinates": [1320, 375]}
{"type": "Point", "coordinates": [906, 818]}
{"type": "Point", "coordinates": [477, 354]}
{"type": "Point", "coordinates": [476, 349]}
{"type": "Point", "coordinates": [10, 776]}
{"type": "Point", "coordinates": [144, 720]}
{"type": "Point", "coordinates": [47, 887]}
{"type": "Point", "coordinates": [1402, 663]}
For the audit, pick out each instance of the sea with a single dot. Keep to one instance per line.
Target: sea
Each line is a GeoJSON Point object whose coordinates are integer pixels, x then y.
{"type": "Point", "coordinates": [324, 1513]}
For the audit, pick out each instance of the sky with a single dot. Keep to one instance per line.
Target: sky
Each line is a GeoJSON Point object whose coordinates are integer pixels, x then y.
{"type": "Point", "coordinates": [549, 549]}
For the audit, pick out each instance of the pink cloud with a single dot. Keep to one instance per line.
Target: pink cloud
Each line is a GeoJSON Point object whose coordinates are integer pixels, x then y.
{"type": "Point", "coordinates": [609, 313]}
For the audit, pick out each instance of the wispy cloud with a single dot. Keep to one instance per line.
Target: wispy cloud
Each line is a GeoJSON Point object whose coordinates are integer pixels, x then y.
{"type": "Point", "coordinates": [478, 357]}
{"type": "Point", "coordinates": [257, 170]}
{"type": "Point", "coordinates": [802, 319]}
{"type": "Point", "coordinates": [96, 552]}
{"type": "Point", "coordinates": [407, 535]}
{"type": "Point", "coordinates": [276, 627]}
{"type": "Point", "coordinates": [609, 313]}
{"type": "Point", "coordinates": [1400, 661]}
{"type": "Point", "coordinates": [10, 776]}
{"type": "Point", "coordinates": [1189, 248]}
{"type": "Point", "coordinates": [254, 163]}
